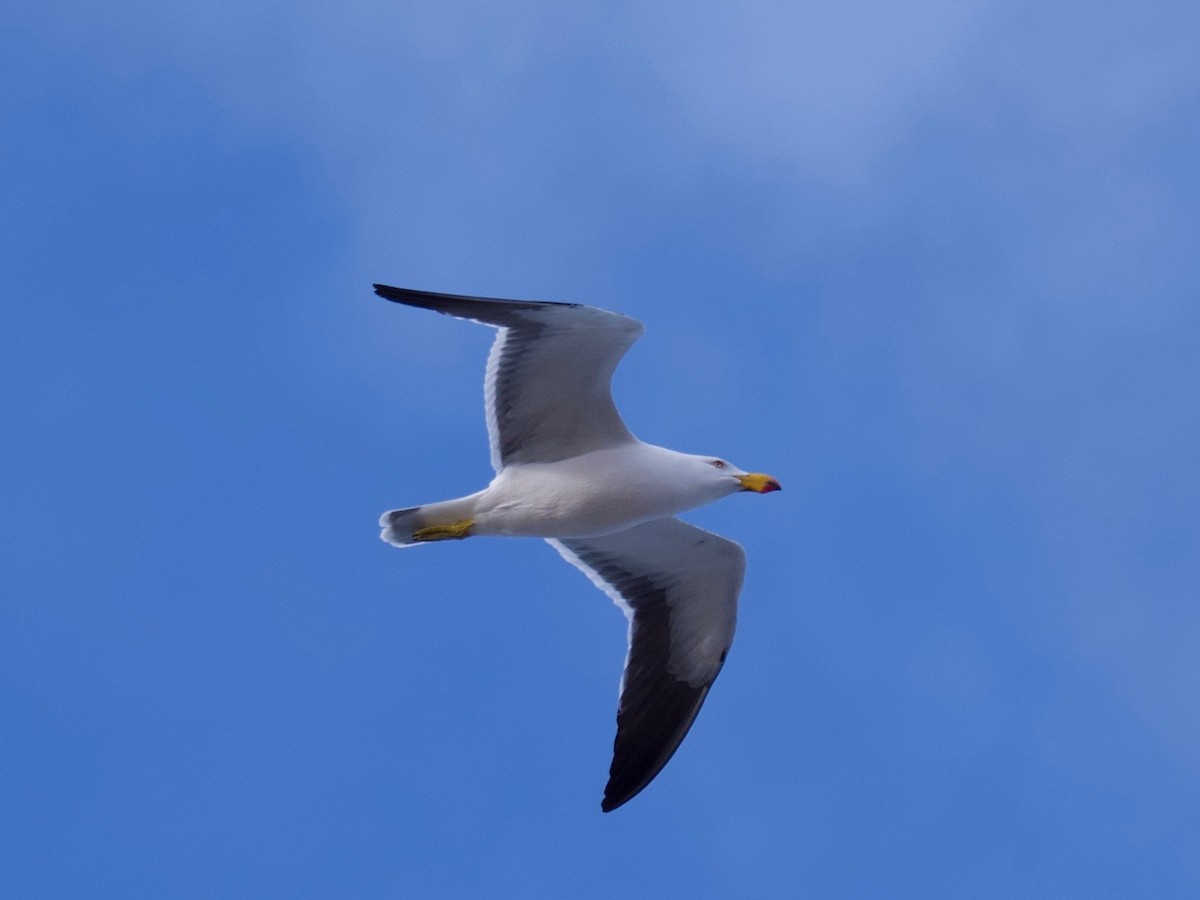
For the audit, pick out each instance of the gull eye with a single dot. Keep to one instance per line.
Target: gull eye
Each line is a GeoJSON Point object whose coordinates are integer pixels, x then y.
{"type": "Point", "coordinates": [718, 463]}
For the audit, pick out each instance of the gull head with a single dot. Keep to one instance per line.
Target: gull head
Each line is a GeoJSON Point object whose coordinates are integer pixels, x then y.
{"type": "Point", "coordinates": [726, 478]}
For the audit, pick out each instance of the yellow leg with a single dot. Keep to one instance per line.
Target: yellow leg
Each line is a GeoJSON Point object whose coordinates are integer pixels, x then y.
{"type": "Point", "coordinates": [453, 532]}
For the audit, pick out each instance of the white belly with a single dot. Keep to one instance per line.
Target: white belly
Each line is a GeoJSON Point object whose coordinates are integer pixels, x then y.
{"type": "Point", "coordinates": [589, 495]}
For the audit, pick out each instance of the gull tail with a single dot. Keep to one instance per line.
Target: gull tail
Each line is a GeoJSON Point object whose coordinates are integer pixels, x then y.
{"type": "Point", "coordinates": [450, 519]}
{"type": "Point", "coordinates": [399, 526]}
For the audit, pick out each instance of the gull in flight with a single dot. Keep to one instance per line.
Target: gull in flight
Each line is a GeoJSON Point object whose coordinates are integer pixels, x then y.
{"type": "Point", "coordinates": [569, 471]}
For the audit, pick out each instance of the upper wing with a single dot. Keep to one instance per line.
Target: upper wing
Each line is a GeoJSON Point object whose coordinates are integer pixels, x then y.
{"type": "Point", "coordinates": [678, 586]}
{"type": "Point", "coordinates": [547, 390]}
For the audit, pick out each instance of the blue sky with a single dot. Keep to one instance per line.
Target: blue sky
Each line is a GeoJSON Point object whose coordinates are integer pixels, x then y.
{"type": "Point", "coordinates": [935, 267]}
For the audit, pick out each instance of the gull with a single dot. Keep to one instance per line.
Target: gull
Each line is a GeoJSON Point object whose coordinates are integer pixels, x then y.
{"type": "Point", "coordinates": [569, 471]}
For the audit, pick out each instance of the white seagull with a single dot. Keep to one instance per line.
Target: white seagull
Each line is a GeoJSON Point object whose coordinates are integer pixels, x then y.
{"type": "Point", "coordinates": [569, 471]}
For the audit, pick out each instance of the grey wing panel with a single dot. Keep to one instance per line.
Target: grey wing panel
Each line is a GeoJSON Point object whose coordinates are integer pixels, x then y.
{"type": "Point", "coordinates": [549, 388]}
{"type": "Point", "coordinates": [678, 585]}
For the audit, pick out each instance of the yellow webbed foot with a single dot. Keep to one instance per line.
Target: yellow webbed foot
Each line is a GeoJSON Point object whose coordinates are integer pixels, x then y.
{"type": "Point", "coordinates": [456, 531]}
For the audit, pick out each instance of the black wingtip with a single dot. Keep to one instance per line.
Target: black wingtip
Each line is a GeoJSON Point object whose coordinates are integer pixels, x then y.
{"type": "Point", "coordinates": [464, 306]}
{"type": "Point", "coordinates": [387, 292]}
{"type": "Point", "coordinates": [618, 795]}
{"type": "Point", "coordinates": [612, 801]}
